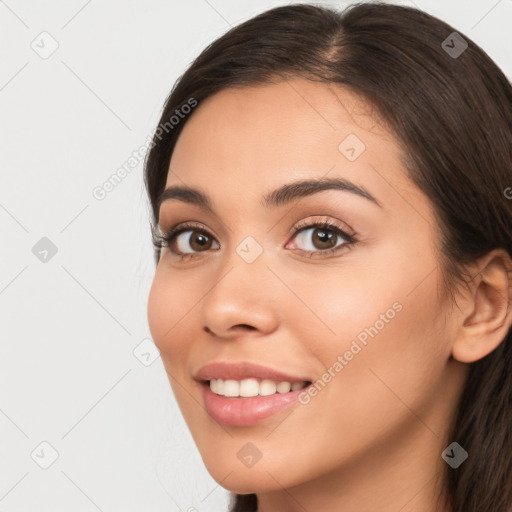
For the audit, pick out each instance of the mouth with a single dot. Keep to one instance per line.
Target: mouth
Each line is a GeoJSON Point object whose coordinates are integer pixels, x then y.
{"type": "Point", "coordinates": [243, 393]}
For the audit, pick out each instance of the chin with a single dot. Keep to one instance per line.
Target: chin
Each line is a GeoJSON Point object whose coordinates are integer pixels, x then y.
{"type": "Point", "coordinates": [260, 478]}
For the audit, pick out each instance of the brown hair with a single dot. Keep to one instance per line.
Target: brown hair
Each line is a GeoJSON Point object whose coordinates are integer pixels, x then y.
{"type": "Point", "coordinates": [450, 107]}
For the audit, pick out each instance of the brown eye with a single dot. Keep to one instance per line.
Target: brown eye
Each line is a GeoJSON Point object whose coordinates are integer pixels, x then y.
{"type": "Point", "coordinates": [198, 241]}
{"type": "Point", "coordinates": [321, 238]}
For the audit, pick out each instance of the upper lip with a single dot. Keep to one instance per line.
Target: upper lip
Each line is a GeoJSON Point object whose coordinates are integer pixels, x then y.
{"type": "Point", "coordinates": [244, 370]}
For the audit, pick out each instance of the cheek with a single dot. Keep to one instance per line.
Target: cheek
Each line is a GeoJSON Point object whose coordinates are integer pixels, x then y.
{"type": "Point", "coordinates": [158, 304]}
{"type": "Point", "coordinates": [385, 383]}
{"type": "Point", "coordinates": [386, 326]}
{"type": "Point", "coordinates": [386, 302]}
{"type": "Point", "coordinates": [168, 306]}
{"type": "Point", "coordinates": [393, 353]}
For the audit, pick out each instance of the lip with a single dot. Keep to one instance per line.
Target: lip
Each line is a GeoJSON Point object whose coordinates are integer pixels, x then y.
{"type": "Point", "coordinates": [245, 411]}
{"type": "Point", "coordinates": [245, 370]}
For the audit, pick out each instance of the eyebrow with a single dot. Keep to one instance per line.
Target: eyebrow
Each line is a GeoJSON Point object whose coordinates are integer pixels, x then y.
{"type": "Point", "coordinates": [283, 195]}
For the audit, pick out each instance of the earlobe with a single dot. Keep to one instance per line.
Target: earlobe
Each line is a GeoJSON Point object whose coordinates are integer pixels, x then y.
{"type": "Point", "coordinates": [487, 317]}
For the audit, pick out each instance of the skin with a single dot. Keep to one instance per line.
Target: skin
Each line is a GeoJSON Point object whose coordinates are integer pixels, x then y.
{"type": "Point", "coordinates": [371, 439]}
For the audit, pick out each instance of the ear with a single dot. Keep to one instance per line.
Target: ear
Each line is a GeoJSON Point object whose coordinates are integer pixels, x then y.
{"type": "Point", "coordinates": [486, 315]}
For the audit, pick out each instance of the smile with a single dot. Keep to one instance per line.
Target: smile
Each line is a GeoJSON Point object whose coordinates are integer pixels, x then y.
{"type": "Point", "coordinates": [252, 387]}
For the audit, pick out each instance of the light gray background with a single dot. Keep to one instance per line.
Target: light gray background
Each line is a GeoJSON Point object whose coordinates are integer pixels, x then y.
{"type": "Point", "coordinates": [73, 373]}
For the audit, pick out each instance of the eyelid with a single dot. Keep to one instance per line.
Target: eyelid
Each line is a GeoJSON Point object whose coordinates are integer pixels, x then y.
{"type": "Point", "coordinates": [323, 220]}
{"type": "Point", "coordinates": [180, 227]}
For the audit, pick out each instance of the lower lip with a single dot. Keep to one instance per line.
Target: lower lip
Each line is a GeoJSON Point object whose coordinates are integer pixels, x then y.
{"type": "Point", "coordinates": [245, 411]}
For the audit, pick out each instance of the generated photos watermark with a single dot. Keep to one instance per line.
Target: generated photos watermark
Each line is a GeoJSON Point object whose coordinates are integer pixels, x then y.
{"type": "Point", "coordinates": [100, 192]}
{"type": "Point", "coordinates": [355, 347]}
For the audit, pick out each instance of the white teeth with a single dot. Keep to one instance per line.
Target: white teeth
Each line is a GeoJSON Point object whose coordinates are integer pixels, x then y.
{"type": "Point", "coordinates": [231, 388]}
{"type": "Point", "coordinates": [249, 387]}
{"type": "Point", "coordinates": [284, 387]}
{"type": "Point", "coordinates": [252, 387]}
{"type": "Point", "coordinates": [267, 387]}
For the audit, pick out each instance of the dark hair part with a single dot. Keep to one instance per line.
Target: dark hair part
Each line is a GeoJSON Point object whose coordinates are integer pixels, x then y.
{"type": "Point", "coordinates": [452, 115]}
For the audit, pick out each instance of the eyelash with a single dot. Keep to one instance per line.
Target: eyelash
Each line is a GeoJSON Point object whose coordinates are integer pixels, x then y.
{"type": "Point", "coordinates": [166, 238]}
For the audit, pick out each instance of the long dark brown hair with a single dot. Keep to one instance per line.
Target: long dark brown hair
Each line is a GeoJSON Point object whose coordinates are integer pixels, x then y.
{"type": "Point", "coordinates": [450, 107]}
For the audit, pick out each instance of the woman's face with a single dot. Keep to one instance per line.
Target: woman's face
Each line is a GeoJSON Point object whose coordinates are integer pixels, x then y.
{"type": "Point", "coordinates": [361, 315]}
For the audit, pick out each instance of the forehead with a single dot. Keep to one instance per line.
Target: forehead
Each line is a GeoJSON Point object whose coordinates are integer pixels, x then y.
{"type": "Point", "coordinates": [274, 109]}
{"type": "Point", "coordinates": [254, 138]}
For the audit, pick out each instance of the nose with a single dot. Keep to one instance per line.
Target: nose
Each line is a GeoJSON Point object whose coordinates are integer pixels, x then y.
{"type": "Point", "coordinates": [243, 298]}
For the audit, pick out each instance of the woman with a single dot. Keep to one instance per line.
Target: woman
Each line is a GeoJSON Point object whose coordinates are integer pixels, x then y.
{"type": "Point", "coordinates": [333, 283]}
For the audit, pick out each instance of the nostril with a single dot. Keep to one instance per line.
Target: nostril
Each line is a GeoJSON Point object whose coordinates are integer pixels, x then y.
{"type": "Point", "coordinates": [245, 326]}
{"type": "Point", "coordinates": [237, 326]}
